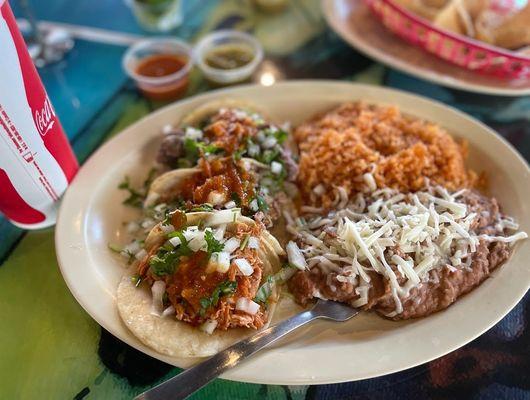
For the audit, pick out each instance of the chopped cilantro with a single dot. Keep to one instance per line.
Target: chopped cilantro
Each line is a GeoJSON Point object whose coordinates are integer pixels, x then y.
{"type": "Point", "coordinates": [167, 258]}
{"type": "Point", "coordinates": [225, 288]}
{"type": "Point", "coordinates": [202, 207]}
{"type": "Point", "coordinates": [238, 154]}
{"type": "Point", "coordinates": [149, 179]}
{"type": "Point", "coordinates": [235, 197]}
{"type": "Point", "coordinates": [268, 156]}
{"type": "Point", "coordinates": [262, 204]}
{"type": "Point", "coordinates": [280, 136]}
{"type": "Point", "coordinates": [183, 246]}
{"type": "Point", "coordinates": [114, 247]}
{"type": "Point", "coordinates": [265, 290]}
{"type": "Point", "coordinates": [214, 246]}
{"type": "Point", "coordinates": [135, 198]}
{"type": "Point", "coordinates": [194, 149]}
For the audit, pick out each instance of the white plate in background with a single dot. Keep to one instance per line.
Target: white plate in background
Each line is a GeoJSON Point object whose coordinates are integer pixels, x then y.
{"type": "Point", "coordinates": [355, 23]}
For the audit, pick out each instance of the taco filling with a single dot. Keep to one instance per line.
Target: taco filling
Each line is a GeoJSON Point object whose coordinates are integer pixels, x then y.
{"type": "Point", "coordinates": [232, 159]}
{"type": "Point", "coordinates": [206, 270]}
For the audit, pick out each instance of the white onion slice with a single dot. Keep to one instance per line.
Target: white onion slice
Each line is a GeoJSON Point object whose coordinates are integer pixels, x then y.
{"type": "Point", "coordinates": [247, 305]}
{"type": "Point", "coordinates": [244, 266]}
{"type": "Point", "coordinates": [295, 256]}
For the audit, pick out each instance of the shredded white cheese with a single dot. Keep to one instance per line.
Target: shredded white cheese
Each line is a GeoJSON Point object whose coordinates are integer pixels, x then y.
{"type": "Point", "coordinates": [403, 237]}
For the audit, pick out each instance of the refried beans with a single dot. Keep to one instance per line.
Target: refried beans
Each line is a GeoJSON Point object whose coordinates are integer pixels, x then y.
{"type": "Point", "coordinates": [438, 289]}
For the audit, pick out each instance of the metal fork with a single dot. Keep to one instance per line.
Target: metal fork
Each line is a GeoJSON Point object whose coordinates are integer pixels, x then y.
{"type": "Point", "coordinates": [191, 380]}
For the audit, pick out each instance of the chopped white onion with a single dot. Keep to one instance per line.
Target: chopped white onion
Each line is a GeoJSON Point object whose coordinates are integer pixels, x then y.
{"type": "Point", "coordinates": [253, 205]}
{"type": "Point", "coordinates": [253, 150]}
{"type": "Point", "coordinates": [219, 262]}
{"type": "Point", "coordinates": [276, 168]}
{"type": "Point", "coordinates": [219, 233]}
{"type": "Point", "coordinates": [148, 223]}
{"type": "Point", "coordinates": [192, 133]}
{"type": "Point", "coordinates": [140, 255]}
{"type": "Point", "coordinates": [208, 326]}
{"type": "Point", "coordinates": [132, 248]}
{"type": "Point", "coordinates": [198, 242]}
{"type": "Point", "coordinates": [247, 305]}
{"type": "Point", "coordinates": [230, 204]}
{"type": "Point", "coordinates": [269, 142]}
{"type": "Point", "coordinates": [253, 242]}
{"type": "Point", "coordinates": [295, 256]}
{"type": "Point", "coordinates": [216, 198]}
{"type": "Point", "coordinates": [133, 227]}
{"type": "Point", "coordinates": [231, 245]}
{"type": "Point", "coordinates": [175, 241]}
{"type": "Point", "coordinates": [223, 217]}
{"type": "Point", "coordinates": [244, 266]}
{"type": "Point", "coordinates": [157, 291]}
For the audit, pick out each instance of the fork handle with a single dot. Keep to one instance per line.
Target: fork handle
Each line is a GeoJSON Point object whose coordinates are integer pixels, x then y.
{"type": "Point", "coordinates": [192, 379]}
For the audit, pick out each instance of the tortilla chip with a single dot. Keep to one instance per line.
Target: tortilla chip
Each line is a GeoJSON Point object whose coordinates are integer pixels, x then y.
{"type": "Point", "coordinates": [425, 8]}
{"type": "Point", "coordinates": [455, 17]}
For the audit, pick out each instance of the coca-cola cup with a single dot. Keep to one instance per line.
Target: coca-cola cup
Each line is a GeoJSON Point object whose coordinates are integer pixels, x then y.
{"type": "Point", "coordinates": [36, 160]}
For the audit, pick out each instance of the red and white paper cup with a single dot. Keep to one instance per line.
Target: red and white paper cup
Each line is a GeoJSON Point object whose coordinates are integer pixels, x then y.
{"type": "Point", "coordinates": [36, 160]}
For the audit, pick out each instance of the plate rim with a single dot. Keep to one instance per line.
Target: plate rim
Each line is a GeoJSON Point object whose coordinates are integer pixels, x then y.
{"type": "Point", "coordinates": [329, 11]}
{"type": "Point", "coordinates": [292, 84]}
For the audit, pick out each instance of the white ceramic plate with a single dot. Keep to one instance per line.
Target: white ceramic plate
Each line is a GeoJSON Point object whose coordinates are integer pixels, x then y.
{"type": "Point", "coordinates": [354, 22]}
{"type": "Point", "coordinates": [91, 216]}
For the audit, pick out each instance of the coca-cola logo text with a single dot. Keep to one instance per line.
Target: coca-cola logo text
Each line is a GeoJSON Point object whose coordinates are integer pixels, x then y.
{"type": "Point", "coordinates": [45, 118]}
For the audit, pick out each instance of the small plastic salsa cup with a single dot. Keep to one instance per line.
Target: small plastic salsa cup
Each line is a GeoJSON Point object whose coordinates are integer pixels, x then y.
{"type": "Point", "coordinates": [160, 67]}
{"type": "Point", "coordinates": [228, 43]}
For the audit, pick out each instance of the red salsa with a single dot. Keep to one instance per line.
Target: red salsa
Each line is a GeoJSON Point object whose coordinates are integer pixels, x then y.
{"type": "Point", "coordinates": [160, 65]}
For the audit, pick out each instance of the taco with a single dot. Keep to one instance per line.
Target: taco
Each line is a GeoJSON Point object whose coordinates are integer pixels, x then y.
{"type": "Point", "coordinates": [202, 284]}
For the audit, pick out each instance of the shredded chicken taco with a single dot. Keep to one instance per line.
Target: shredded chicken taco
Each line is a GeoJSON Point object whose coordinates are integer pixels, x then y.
{"type": "Point", "coordinates": [201, 283]}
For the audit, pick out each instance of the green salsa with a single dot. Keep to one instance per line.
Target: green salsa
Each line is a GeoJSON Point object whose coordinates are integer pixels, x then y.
{"type": "Point", "coordinates": [229, 56]}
